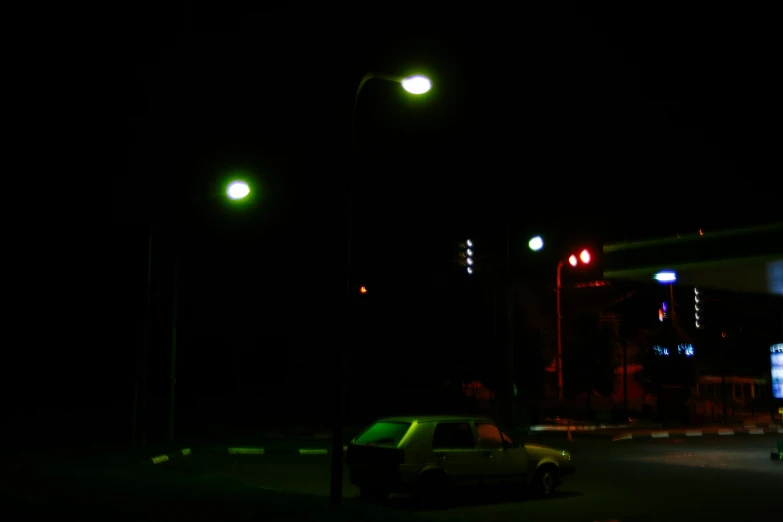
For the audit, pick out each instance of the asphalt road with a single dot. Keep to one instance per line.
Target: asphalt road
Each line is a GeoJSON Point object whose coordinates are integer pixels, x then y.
{"type": "Point", "coordinates": [720, 478]}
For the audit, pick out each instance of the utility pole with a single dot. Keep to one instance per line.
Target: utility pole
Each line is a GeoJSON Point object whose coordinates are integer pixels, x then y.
{"type": "Point", "coordinates": [173, 374]}
{"type": "Point", "coordinates": [625, 376]}
{"type": "Point", "coordinates": [140, 394]}
{"type": "Point", "coordinates": [558, 289]}
{"type": "Point", "coordinates": [510, 334]}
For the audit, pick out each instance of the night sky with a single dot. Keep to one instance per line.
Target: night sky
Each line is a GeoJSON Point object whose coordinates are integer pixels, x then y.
{"type": "Point", "coordinates": [582, 127]}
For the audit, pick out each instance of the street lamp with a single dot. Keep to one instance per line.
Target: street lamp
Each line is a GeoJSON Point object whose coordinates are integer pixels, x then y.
{"type": "Point", "coordinates": [536, 244]}
{"type": "Point", "coordinates": [237, 190]}
{"type": "Point", "coordinates": [415, 85]}
{"type": "Point", "coordinates": [670, 277]}
{"type": "Point", "coordinates": [573, 260]}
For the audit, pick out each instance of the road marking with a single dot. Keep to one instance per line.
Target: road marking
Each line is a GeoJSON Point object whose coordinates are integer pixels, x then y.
{"type": "Point", "coordinates": [245, 451]}
{"type": "Point", "coordinates": [756, 431]}
{"type": "Point", "coordinates": [694, 433]}
{"type": "Point", "coordinates": [159, 459]}
{"type": "Point", "coordinates": [660, 434]}
{"type": "Point", "coordinates": [622, 437]}
{"type": "Point", "coordinates": [316, 451]}
{"type": "Point", "coordinates": [185, 452]}
{"type": "Point", "coordinates": [780, 430]}
{"type": "Point", "coordinates": [725, 432]}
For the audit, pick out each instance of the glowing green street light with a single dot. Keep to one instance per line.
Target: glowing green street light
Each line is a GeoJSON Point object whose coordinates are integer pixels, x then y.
{"type": "Point", "coordinates": [416, 84]}
{"type": "Point", "coordinates": [238, 190]}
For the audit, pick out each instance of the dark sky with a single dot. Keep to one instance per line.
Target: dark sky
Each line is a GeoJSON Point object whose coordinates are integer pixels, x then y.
{"type": "Point", "coordinates": [581, 126]}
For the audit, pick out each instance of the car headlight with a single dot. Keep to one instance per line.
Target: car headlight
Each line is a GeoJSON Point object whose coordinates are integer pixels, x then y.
{"type": "Point", "coordinates": [566, 455]}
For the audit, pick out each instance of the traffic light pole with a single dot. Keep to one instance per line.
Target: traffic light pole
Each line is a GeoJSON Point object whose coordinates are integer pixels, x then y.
{"type": "Point", "coordinates": [559, 287]}
{"type": "Point", "coordinates": [510, 334]}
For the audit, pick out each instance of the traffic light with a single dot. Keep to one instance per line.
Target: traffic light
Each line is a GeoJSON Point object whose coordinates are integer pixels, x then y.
{"type": "Point", "coordinates": [467, 257]}
{"type": "Point", "coordinates": [362, 289]}
{"type": "Point", "coordinates": [584, 257]}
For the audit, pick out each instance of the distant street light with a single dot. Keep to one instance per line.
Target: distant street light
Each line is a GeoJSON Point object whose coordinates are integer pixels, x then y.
{"type": "Point", "coordinates": [415, 85]}
{"type": "Point", "coordinates": [585, 257]}
{"type": "Point", "coordinates": [669, 277]}
{"type": "Point", "coordinates": [666, 277]}
{"type": "Point", "coordinates": [536, 244]}
{"type": "Point", "coordinates": [238, 190]}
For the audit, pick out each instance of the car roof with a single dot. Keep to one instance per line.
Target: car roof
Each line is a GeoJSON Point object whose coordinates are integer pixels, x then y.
{"type": "Point", "coordinates": [435, 418]}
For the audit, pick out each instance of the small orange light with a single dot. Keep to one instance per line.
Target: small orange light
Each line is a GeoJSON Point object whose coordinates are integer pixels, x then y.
{"type": "Point", "coordinates": [701, 232]}
{"type": "Point", "coordinates": [363, 289]}
{"type": "Point", "coordinates": [585, 256]}
{"type": "Point", "coordinates": [572, 260]}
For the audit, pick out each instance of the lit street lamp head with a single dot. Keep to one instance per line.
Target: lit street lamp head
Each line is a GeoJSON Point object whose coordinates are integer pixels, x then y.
{"type": "Point", "coordinates": [416, 84]}
{"type": "Point", "coordinates": [237, 190]}
{"type": "Point", "coordinates": [536, 244]}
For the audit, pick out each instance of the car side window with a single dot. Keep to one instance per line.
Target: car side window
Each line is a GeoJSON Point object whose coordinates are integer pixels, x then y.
{"type": "Point", "coordinates": [489, 436]}
{"type": "Point", "coordinates": [453, 435]}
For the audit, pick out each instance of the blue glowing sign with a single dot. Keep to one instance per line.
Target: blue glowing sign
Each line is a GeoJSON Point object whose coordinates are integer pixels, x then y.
{"type": "Point", "coordinates": [776, 360]}
{"type": "Point", "coordinates": [682, 349]}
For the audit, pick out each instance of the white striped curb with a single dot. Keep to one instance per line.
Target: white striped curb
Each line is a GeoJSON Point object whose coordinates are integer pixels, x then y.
{"type": "Point", "coordinates": [165, 458]}
{"type": "Point", "coordinates": [277, 451]}
{"type": "Point", "coordinates": [698, 433]}
{"type": "Point", "coordinates": [594, 427]}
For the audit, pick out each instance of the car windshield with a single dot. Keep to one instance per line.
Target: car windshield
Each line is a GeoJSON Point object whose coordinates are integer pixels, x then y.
{"type": "Point", "coordinates": [384, 433]}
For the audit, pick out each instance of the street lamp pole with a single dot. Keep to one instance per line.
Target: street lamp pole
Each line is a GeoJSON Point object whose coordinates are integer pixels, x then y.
{"type": "Point", "coordinates": [414, 85]}
{"type": "Point", "coordinates": [559, 333]}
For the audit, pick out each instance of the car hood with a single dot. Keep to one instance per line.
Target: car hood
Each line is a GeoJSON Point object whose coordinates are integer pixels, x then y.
{"type": "Point", "coordinates": [538, 451]}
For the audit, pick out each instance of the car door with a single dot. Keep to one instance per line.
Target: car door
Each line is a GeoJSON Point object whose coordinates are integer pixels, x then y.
{"type": "Point", "coordinates": [505, 463]}
{"type": "Point", "coordinates": [455, 446]}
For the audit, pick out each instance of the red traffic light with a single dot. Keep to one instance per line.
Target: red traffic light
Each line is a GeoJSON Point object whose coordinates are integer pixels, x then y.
{"type": "Point", "coordinates": [584, 256]}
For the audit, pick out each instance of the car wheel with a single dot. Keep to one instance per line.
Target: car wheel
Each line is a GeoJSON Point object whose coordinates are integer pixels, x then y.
{"type": "Point", "coordinates": [545, 481]}
{"type": "Point", "coordinates": [431, 487]}
{"type": "Point", "coordinates": [373, 493]}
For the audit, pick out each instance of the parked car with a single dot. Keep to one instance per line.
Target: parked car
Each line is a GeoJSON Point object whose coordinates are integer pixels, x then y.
{"type": "Point", "coordinates": [427, 455]}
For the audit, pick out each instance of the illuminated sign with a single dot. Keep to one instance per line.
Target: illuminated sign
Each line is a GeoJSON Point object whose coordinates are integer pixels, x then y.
{"type": "Point", "coordinates": [682, 349]}
{"type": "Point", "coordinates": [776, 361]}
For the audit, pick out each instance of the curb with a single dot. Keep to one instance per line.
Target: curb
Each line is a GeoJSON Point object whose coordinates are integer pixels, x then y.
{"type": "Point", "coordinates": [608, 427]}
{"type": "Point", "coordinates": [160, 459]}
{"type": "Point", "coordinates": [272, 451]}
{"type": "Point", "coordinates": [175, 455]}
{"type": "Point", "coordinates": [698, 433]}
